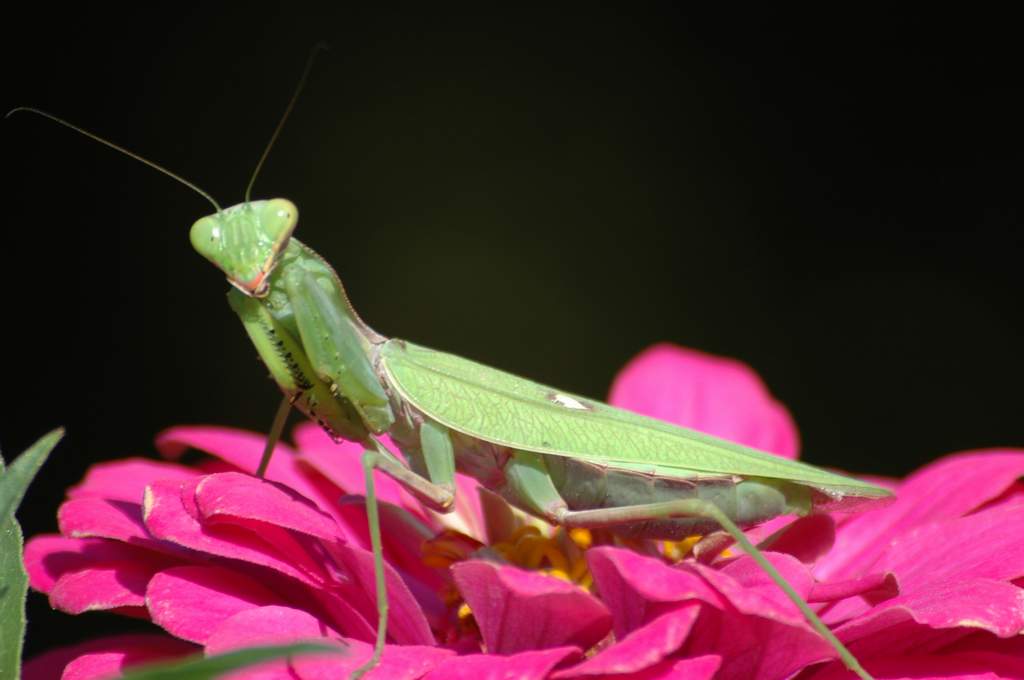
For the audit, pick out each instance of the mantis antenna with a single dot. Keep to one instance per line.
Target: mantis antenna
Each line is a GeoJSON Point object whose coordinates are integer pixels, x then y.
{"type": "Point", "coordinates": [123, 150]}
{"type": "Point", "coordinates": [287, 112]}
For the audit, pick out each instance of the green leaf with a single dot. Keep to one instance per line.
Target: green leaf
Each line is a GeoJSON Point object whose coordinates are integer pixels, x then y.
{"type": "Point", "coordinates": [198, 667]}
{"type": "Point", "coordinates": [13, 579]}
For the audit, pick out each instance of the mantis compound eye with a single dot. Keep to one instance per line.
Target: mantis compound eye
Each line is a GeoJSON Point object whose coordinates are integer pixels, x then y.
{"type": "Point", "coordinates": [277, 221]}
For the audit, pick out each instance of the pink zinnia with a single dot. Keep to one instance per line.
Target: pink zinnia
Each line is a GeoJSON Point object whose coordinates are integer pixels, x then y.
{"type": "Point", "coordinates": [926, 587]}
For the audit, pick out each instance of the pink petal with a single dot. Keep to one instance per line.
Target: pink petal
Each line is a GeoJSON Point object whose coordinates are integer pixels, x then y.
{"type": "Point", "coordinates": [520, 610]}
{"type": "Point", "coordinates": [955, 666]}
{"type": "Point", "coordinates": [48, 557]}
{"type": "Point", "coordinates": [641, 649]}
{"type": "Point", "coordinates": [340, 463]}
{"type": "Point", "coordinates": [269, 625]}
{"type": "Point", "coordinates": [232, 495]}
{"type": "Point", "coordinates": [399, 662]}
{"type": "Point", "coordinates": [716, 395]}
{"type": "Point", "coordinates": [105, 657]}
{"type": "Point", "coordinates": [93, 517]}
{"type": "Point", "coordinates": [534, 665]}
{"type": "Point", "coordinates": [757, 630]}
{"type": "Point", "coordinates": [876, 586]}
{"type": "Point", "coordinates": [281, 625]}
{"type": "Point", "coordinates": [170, 514]}
{"type": "Point", "coordinates": [988, 544]}
{"type": "Point", "coordinates": [191, 602]}
{"type": "Point", "coordinates": [266, 625]}
{"type": "Point", "coordinates": [698, 668]}
{"type": "Point", "coordinates": [749, 575]}
{"type": "Point", "coordinates": [908, 622]}
{"type": "Point", "coordinates": [948, 488]}
{"type": "Point", "coordinates": [407, 625]}
{"type": "Point", "coordinates": [240, 448]}
{"type": "Point", "coordinates": [126, 479]}
{"type": "Point", "coordinates": [805, 538]}
{"type": "Point", "coordinates": [102, 575]}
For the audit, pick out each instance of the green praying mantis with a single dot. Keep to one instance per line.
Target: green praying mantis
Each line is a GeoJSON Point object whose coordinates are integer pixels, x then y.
{"type": "Point", "coordinates": [565, 458]}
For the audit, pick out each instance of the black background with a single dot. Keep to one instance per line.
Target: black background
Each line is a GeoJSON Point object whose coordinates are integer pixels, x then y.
{"type": "Point", "coordinates": [832, 199]}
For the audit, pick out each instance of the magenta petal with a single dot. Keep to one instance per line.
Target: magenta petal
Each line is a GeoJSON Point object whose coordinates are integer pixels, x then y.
{"type": "Point", "coordinates": [948, 488]}
{"type": "Point", "coordinates": [942, 666]}
{"type": "Point", "coordinates": [240, 448]}
{"type": "Point", "coordinates": [988, 544]}
{"type": "Point", "coordinates": [533, 665]}
{"type": "Point", "coordinates": [168, 516]}
{"type": "Point", "coordinates": [875, 586]}
{"type": "Point", "coordinates": [191, 602]}
{"type": "Point", "coordinates": [126, 479]}
{"type": "Point", "coordinates": [340, 463]}
{"type": "Point", "coordinates": [105, 657]}
{"type": "Point", "coordinates": [280, 625]}
{"type": "Point", "coordinates": [234, 495]}
{"type": "Point", "coordinates": [520, 610]}
{"type": "Point", "coordinates": [903, 623]}
{"type": "Point", "coordinates": [407, 625]}
{"type": "Point", "coordinates": [756, 630]}
{"type": "Point", "coordinates": [749, 575]}
{"type": "Point", "coordinates": [107, 584]}
{"type": "Point", "coordinates": [48, 557]}
{"type": "Point", "coordinates": [269, 625]}
{"type": "Point", "coordinates": [104, 518]}
{"type": "Point", "coordinates": [720, 396]}
{"type": "Point", "coordinates": [399, 662]}
{"type": "Point", "coordinates": [266, 625]}
{"type": "Point", "coordinates": [641, 649]}
{"type": "Point", "coordinates": [695, 668]}
{"type": "Point", "coordinates": [638, 589]}
{"type": "Point", "coordinates": [806, 538]}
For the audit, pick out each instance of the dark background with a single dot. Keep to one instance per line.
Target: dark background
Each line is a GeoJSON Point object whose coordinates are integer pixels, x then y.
{"type": "Point", "coordinates": [832, 199]}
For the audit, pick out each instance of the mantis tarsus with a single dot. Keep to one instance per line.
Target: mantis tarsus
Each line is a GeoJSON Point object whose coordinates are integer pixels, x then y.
{"type": "Point", "coordinates": [565, 458]}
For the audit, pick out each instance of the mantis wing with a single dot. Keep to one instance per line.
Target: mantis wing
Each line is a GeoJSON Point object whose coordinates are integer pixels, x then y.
{"type": "Point", "coordinates": [510, 411]}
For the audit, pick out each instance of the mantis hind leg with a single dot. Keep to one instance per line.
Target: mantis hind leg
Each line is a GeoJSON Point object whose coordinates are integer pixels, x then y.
{"type": "Point", "coordinates": [697, 507]}
{"type": "Point", "coordinates": [530, 483]}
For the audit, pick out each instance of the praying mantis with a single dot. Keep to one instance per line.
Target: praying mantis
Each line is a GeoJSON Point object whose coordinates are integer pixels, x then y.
{"type": "Point", "coordinates": [568, 459]}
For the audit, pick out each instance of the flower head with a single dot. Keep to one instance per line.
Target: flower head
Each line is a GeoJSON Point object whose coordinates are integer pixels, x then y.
{"type": "Point", "coordinates": [217, 559]}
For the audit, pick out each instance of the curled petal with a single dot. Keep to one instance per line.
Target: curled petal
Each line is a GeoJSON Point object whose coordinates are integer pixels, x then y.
{"type": "Point", "coordinates": [989, 544]}
{"type": "Point", "coordinates": [533, 665]}
{"type": "Point", "coordinates": [111, 585]}
{"type": "Point", "coordinates": [942, 666]}
{"type": "Point", "coordinates": [908, 622]}
{"type": "Point", "coordinates": [756, 630]}
{"type": "Point", "coordinates": [407, 624]}
{"type": "Point", "coordinates": [232, 495]}
{"type": "Point", "coordinates": [170, 514]}
{"type": "Point", "coordinates": [240, 448]}
{"type": "Point", "coordinates": [192, 602]}
{"type": "Point", "coordinates": [125, 480]}
{"type": "Point", "coordinates": [641, 649]}
{"type": "Point", "coordinates": [716, 395]}
{"type": "Point", "coordinates": [105, 657]}
{"type": "Point", "coordinates": [340, 463]}
{"type": "Point", "coordinates": [520, 610]}
{"type": "Point", "coordinates": [281, 625]}
{"type": "Point", "coordinates": [48, 557]}
{"type": "Point", "coordinates": [946, 489]}
{"type": "Point", "coordinates": [805, 538]}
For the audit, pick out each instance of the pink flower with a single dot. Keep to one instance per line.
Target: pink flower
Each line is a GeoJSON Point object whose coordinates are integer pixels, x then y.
{"type": "Point", "coordinates": [928, 586]}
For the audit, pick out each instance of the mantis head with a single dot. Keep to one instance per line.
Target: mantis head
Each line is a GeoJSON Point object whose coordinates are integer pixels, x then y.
{"type": "Point", "coordinates": [244, 241]}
